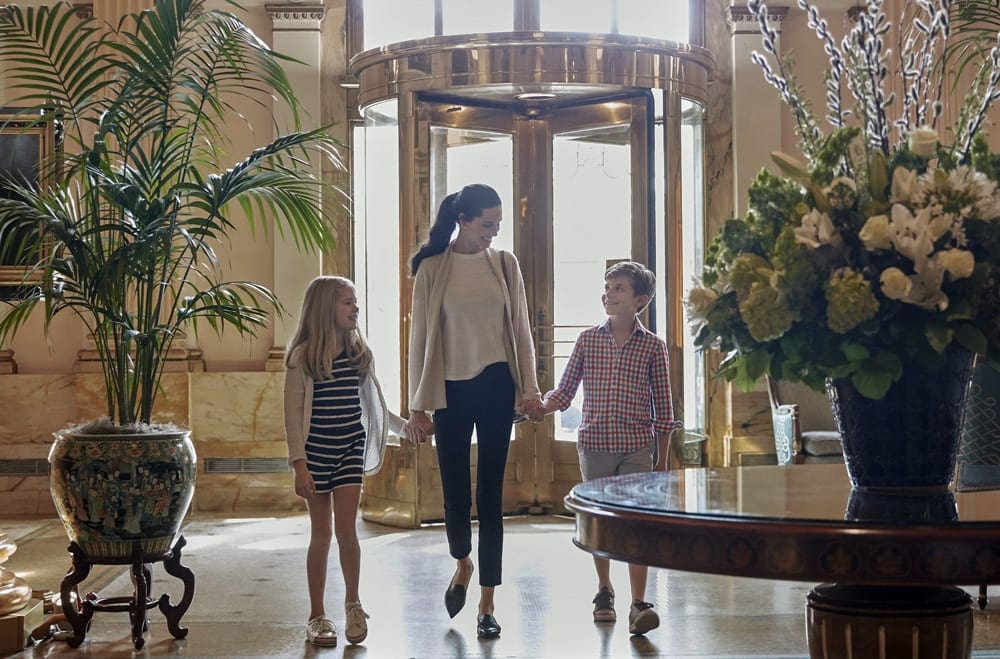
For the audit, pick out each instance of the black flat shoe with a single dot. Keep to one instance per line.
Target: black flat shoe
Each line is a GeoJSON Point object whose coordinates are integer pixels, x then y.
{"type": "Point", "coordinates": [487, 626]}
{"type": "Point", "coordinates": [454, 598]}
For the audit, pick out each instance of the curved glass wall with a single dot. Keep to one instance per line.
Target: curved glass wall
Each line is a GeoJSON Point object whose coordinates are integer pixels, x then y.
{"type": "Point", "coordinates": [391, 21]}
{"type": "Point", "coordinates": [376, 240]}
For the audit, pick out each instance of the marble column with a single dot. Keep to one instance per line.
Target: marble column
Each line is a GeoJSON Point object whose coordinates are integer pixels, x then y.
{"type": "Point", "coordinates": [14, 592]}
{"type": "Point", "coordinates": [296, 32]}
{"type": "Point", "coordinates": [757, 108]}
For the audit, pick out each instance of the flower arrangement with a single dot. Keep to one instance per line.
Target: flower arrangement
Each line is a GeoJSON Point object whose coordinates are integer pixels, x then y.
{"type": "Point", "coordinates": [882, 249]}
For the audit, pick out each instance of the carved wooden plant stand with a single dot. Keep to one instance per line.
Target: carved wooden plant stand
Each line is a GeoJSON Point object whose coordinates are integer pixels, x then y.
{"type": "Point", "coordinates": [138, 603]}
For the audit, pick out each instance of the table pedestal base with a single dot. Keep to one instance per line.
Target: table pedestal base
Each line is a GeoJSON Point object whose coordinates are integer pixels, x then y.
{"type": "Point", "coordinates": [889, 621]}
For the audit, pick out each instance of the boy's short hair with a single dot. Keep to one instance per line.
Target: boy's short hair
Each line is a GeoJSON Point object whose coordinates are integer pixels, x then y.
{"type": "Point", "coordinates": [643, 279]}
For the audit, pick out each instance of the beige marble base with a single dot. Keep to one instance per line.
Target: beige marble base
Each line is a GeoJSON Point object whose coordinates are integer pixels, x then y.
{"type": "Point", "coordinates": [231, 414]}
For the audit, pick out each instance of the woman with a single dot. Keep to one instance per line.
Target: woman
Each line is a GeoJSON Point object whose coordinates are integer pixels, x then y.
{"type": "Point", "coordinates": [471, 364]}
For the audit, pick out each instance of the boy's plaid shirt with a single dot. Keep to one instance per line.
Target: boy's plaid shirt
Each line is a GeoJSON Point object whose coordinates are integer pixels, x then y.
{"type": "Point", "coordinates": [626, 391]}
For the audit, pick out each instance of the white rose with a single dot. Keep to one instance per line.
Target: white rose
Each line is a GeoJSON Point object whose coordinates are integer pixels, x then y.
{"type": "Point", "coordinates": [923, 142]}
{"type": "Point", "coordinates": [958, 262]}
{"type": "Point", "coordinates": [875, 233]}
{"type": "Point", "coordinates": [895, 283]}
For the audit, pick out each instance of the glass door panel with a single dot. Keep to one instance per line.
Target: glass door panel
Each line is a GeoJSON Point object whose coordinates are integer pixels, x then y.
{"type": "Point", "coordinates": [591, 226]}
{"type": "Point", "coordinates": [601, 208]}
{"type": "Point", "coordinates": [466, 144]}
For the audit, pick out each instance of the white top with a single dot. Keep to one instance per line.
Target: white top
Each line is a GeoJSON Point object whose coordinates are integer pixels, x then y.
{"type": "Point", "coordinates": [471, 318]}
{"type": "Point", "coordinates": [426, 364]}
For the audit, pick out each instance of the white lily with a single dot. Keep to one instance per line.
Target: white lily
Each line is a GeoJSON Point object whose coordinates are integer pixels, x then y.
{"type": "Point", "coordinates": [909, 233]}
{"type": "Point", "coordinates": [817, 229]}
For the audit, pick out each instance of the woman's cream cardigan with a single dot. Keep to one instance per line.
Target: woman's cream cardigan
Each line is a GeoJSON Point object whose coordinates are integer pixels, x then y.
{"type": "Point", "coordinates": [376, 418]}
{"type": "Point", "coordinates": [426, 363]}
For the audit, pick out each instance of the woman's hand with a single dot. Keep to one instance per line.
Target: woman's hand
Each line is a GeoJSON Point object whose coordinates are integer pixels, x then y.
{"type": "Point", "coordinates": [304, 485]}
{"type": "Point", "coordinates": [533, 408]}
{"type": "Point", "coordinates": [418, 427]}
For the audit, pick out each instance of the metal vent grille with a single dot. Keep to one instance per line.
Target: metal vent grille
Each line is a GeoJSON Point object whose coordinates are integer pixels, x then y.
{"type": "Point", "coordinates": [29, 467]}
{"type": "Point", "coordinates": [246, 465]}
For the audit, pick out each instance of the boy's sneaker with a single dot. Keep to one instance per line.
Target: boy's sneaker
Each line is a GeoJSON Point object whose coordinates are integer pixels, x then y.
{"type": "Point", "coordinates": [356, 628]}
{"type": "Point", "coordinates": [321, 631]}
{"type": "Point", "coordinates": [604, 606]}
{"type": "Point", "coordinates": [642, 618]}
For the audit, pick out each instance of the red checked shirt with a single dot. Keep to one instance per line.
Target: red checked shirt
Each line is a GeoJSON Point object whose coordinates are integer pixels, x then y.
{"type": "Point", "coordinates": [626, 390]}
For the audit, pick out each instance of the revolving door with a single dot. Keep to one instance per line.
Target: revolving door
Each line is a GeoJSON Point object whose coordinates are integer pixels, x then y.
{"type": "Point", "coordinates": [594, 145]}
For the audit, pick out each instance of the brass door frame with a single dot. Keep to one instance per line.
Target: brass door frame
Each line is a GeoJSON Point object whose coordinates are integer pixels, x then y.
{"type": "Point", "coordinates": [539, 470]}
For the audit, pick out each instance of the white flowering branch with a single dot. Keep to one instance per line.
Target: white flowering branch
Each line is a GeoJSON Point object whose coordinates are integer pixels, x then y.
{"type": "Point", "coordinates": [925, 43]}
{"type": "Point", "coordinates": [969, 128]}
{"type": "Point", "coordinates": [866, 74]}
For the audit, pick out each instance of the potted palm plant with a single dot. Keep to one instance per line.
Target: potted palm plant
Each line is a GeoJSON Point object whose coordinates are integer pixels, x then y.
{"type": "Point", "coordinates": [125, 236]}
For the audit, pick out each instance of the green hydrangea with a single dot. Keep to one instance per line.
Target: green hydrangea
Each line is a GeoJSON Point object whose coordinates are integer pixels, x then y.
{"type": "Point", "coordinates": [747, 270]}
{"type": "Point", "coordinates": [850, 300]}
{"type": "Point", "coordinates": [765, 313]}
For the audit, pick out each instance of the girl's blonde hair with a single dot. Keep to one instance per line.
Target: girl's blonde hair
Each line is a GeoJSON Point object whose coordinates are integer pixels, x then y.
{"type": "Point", "coordinates": [314, 342]}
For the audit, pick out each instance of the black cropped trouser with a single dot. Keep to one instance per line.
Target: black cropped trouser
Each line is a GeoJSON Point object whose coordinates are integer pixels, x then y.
{"type": "Point", "coordinates": [486, 402]}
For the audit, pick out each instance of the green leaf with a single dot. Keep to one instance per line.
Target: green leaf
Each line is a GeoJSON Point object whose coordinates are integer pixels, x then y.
{"type": "Point", "coordinates": [972, 338]}
{"type": "Point", "coordinates": [871, 383]}
{"type": "Point", "coordinates": [757, 363]}
{"type": "Point", "coordinates": [854, 352]}
{"type": "Point", "coordinates": [888, 362]}
{"type": "Point", "coordinates": [938, 335]}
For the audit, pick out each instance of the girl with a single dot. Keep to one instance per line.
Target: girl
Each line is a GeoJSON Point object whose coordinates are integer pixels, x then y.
{"type": "Point", "coordinates": [336, 424]}
{"type": "Point", "coordinates": [471, 363]}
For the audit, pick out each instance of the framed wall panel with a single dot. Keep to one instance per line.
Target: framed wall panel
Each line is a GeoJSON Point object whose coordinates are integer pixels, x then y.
{"type": "Point", "coordinates": [29, 156]}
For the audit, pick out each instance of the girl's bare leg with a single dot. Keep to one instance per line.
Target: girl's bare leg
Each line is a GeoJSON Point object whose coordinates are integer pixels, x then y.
{"type": "Point", "coordinates": [345, 518]}
{"type": "Point", "coordinates": [321, 530]}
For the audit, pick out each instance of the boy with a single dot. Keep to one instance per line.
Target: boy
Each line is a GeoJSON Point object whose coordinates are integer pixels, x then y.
{"type": "Point", "coordinates": [626, 404]}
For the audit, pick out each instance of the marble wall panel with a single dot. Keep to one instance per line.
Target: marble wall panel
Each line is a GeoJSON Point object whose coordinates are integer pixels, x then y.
{"type": "Point", "coordinates": [232, 413]}
{"type": "Point", "coordinates": [34, 407]}
{"type": "Point", "coordinates": [171, 405]}
{"type": "Point", "coordinates": [245, 493]}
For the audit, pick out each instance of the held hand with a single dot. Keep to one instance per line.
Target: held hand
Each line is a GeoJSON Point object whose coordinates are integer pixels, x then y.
{"type": "Point", "coordinates": [533, 409]}
{"type": "Point", "coordinates": [418, 427]}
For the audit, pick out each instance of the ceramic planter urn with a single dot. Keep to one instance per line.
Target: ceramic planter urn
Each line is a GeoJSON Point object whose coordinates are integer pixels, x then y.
{"type": "Point", "coordinates": [122, 494]}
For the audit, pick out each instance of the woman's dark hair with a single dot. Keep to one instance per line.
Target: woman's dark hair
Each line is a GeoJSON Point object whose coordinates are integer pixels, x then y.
{"type": "Point", "coordinates": [470, 201]}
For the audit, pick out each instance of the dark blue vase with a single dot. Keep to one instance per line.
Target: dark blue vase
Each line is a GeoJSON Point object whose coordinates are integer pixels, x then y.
{"type": "Point", "coordinates": [909, 438]}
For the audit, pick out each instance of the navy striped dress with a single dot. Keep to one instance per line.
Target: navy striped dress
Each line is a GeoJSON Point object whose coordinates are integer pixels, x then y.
{"type": "Point", "coordinates": [335, 446]}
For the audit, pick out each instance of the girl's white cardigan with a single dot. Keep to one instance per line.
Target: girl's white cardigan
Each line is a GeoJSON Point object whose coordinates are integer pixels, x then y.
{"type": "Point", "coordinates": [375, 416]}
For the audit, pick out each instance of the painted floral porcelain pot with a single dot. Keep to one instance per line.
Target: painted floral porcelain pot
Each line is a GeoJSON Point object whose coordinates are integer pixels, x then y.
{"type": "Point", "coordinates": [117, 494]}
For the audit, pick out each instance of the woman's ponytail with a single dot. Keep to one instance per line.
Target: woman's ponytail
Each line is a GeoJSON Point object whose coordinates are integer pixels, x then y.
{"type": "Point", "coordinates": [440, 233]}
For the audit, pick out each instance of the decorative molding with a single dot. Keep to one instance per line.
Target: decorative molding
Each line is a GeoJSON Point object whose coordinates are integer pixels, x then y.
{"type": "Point", "coordinates": [741, 21]}
{"type": "Point", "coordinates": [7, 364]}
{"type": "Point", "coordinates": [296, 17]}
{"type": "Point", "coordinates": [84, 10]}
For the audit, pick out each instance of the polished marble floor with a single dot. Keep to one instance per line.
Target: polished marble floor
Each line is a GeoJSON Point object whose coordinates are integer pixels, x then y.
{"type": "Point", "coordinates": [250, 599]}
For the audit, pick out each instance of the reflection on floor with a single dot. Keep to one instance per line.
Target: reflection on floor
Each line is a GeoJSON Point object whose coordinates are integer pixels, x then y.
{"type": "Point", "coordinates": [251, 600]}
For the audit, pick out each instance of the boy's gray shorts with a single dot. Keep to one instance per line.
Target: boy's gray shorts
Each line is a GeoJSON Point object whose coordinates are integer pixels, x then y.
{"type": "Point", "coordinates": [599, 464]}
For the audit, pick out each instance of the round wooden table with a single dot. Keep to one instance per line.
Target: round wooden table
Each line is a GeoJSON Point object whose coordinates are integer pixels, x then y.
{"type": "Point", "coordinates": [888, 565]}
